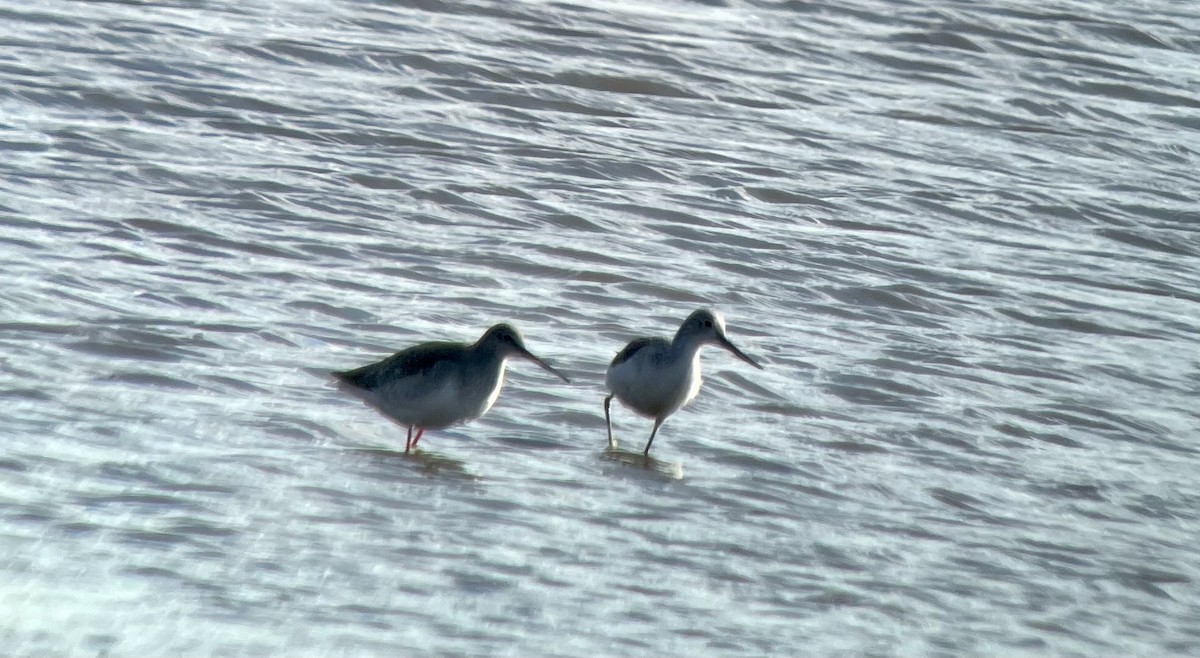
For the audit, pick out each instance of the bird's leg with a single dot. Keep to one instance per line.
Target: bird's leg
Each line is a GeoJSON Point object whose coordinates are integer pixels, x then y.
{"type": "Point", "coordinates": [420, 431]}
{"type": "Point", "coordinates": [657, 422]}
{"type": "Point", "coordinates": [408, 442]}
{"type": "Point", "coordinates": [608, 421]}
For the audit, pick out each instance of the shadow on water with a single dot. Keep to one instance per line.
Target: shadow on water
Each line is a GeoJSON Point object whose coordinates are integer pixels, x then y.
{"type": "Point", "coordinates": [671, 470]}
{"type": "Point", "coordinates": [426, 463]}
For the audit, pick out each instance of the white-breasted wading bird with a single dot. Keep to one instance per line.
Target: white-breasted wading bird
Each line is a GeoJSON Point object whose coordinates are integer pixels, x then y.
{"type": "Point", "coordinates": [656, 377]}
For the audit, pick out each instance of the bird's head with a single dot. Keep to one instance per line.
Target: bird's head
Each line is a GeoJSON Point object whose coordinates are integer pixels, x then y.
{"type": "Point", "coordinates": [708, 327]}
{"type": "Point", "coordinates": [506, 341]}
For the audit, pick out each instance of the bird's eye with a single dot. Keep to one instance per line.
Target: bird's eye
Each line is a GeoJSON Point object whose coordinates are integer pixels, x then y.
{"type": "Point", "coordinates": [708, 324]}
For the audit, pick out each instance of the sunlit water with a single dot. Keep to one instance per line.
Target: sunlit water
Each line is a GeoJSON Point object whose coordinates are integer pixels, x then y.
{"type": "Point", "coordinates": [962, 237]}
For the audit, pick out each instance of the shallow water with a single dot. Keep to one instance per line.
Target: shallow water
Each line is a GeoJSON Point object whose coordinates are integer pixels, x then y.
{"type": "Point", "coordinates": [962, 237]}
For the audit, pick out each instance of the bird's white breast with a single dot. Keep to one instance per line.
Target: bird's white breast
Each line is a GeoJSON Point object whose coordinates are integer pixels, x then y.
{"type": "Point", "coordinates": [653, 384]}
{"type": "Point", "coordinates": [494, 394]}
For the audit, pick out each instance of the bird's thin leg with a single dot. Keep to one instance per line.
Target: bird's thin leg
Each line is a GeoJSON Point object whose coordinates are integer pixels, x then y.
{"type": "Point", "coordinates": [420, 431]}
{"type": "Point", "coordinates": [608, 421]}
{"type": "Point", "coordinates": [408, 442]}
{"type": "Point", "coordinates": [657, 422]}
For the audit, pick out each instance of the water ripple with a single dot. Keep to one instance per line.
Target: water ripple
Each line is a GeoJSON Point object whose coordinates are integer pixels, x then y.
{"type": "Point", "coordinates": [961, 238]}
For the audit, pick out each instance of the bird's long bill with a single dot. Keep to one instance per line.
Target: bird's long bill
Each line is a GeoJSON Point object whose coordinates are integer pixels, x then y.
{"type": "Point", "coordinates": [529, 355]}
{"type": "Point", "coordinates": [727, 344]}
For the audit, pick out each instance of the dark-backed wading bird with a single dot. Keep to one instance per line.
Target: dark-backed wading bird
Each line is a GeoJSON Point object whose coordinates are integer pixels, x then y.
{"type": "Point", "coordinates": [436, 385]}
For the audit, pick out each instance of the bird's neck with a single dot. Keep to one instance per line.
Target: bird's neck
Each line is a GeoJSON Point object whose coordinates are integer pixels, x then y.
{"type": "Point", "coordinates": [685, 347]}
{"type": "Point", "coordinates": [490, 356]}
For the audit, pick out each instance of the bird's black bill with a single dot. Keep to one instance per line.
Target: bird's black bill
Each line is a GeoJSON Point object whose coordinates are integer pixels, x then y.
{"type": "Point", "coordinates": [725, 342]}
{"type": "Point", "coordinates": [529, 355]}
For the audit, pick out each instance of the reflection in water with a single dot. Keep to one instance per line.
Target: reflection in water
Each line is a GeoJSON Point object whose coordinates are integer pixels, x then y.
{"type": "Point", "coordinates": [673, 470]}
{"type": "Point", "coordinates": [424, 462]}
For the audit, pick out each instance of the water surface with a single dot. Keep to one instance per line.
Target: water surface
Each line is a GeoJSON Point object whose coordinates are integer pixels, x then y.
{"type": "Point", "coordinates": [962, 237]}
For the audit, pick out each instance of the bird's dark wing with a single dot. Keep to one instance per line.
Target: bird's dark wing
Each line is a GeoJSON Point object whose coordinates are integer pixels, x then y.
{"type": "Point", "coordinates": [405, 363]}
{"type": "Point", "coordinates": [632, 348]}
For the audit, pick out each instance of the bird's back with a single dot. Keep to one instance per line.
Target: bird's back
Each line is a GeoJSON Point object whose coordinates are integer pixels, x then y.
{"type": "Point", "coordinates": [433, 385]}
{"type": "Point", "coordinates": [410, 363]}
{"type": "Point", "coordinates": [635, 347]}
